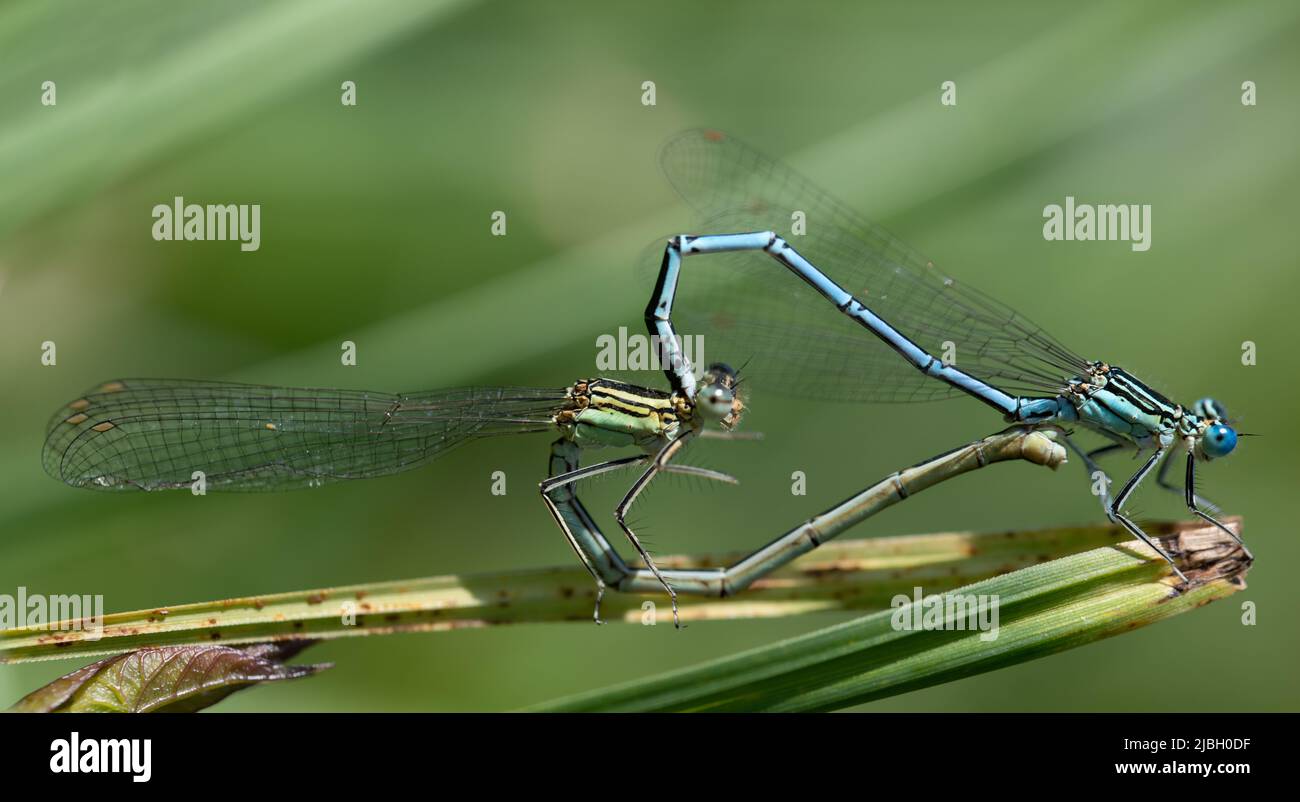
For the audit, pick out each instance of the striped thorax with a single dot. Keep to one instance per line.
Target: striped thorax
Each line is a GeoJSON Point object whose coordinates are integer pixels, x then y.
{"type": "Point", "coordinates": [606, 412]}
{"type": "Point", "coordinates": [1114, 401]}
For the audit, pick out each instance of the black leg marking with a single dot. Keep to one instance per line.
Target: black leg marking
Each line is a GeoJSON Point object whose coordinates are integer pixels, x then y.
{"type": "Point", "coordinates": [1190, 497]}
{"type": "Point", "coordinates": [1162, 479]}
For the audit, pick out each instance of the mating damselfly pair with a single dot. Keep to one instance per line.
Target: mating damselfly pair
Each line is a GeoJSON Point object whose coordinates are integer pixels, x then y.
{"type": "Point", "coordinates": [801, 336]}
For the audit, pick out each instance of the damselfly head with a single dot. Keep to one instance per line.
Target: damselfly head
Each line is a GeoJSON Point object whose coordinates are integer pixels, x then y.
{"type": "Point", "coordinates": [717, 399]}
{"type": "Point", "coordinates": [1216, 438]}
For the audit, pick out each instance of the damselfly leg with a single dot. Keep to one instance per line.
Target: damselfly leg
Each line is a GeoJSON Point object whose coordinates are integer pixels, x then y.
{"type": "Point", "coordinates": [600, 559]}
{"type": "Point", "coordinates": [1162, 479]}
{"type": "Point", "coordinates": [1035, 444]}
{"type": "Point", "coordinates": [1116, 516]}
{"type": "Point", "coordinates": [604, 564]}
{"type": "Point", "coordinates": [1190, 498]}
{"type": "Point", "coordinates": [661, 460]}
{"type": "Point", "coordinates": [1101, 482]}
{"type": "Point", "coordinates": [1162, 476]}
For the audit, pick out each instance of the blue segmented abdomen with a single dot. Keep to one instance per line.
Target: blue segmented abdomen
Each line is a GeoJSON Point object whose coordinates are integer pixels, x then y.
{"type": "Point", "coordinates": [1044, 410]}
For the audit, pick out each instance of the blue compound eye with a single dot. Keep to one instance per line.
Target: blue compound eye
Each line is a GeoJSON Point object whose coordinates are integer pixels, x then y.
{"type": "Point", "coordinates": [1219, 440]}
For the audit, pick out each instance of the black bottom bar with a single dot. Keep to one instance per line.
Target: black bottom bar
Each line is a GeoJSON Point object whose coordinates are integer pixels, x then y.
{"type": "Point", "coordinates": [727, 753]}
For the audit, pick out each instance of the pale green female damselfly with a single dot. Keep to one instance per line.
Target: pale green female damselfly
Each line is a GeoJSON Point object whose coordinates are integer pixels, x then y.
{"type": "Point", "coordinates": [160, 434]}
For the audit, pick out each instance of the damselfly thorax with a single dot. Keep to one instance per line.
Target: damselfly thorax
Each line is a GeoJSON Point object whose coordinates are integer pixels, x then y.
{"type": "Point", "coordinates": [1114, 402]}
{"type": "Point", "coordinates": [605, 412]}
{"type": "Point", "coordinates": [1119, 406]}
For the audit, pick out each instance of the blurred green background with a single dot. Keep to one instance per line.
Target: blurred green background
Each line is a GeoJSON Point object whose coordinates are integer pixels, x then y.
{"type": "Point", "coordinates": [375, 228]}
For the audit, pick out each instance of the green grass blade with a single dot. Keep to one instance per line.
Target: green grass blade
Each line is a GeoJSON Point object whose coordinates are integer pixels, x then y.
{"type": "Point", "coordinates": [841, 575]}
{"type": "Point", "coordinates": [1043, 609]}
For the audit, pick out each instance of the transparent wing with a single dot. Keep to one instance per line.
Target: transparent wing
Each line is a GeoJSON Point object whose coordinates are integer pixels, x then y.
{"type": "Point", "coordinates": [153, 434]}
{"type": "Point", "coordinates": [747, 307]}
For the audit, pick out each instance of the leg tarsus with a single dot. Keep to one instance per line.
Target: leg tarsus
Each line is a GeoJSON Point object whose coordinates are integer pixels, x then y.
{"type": "Point", "coordinates": [600, 595]}
{"type": "Point", "coordinates": [1135, 530]}
{"type": "Point", "coordinates": [650, 563]}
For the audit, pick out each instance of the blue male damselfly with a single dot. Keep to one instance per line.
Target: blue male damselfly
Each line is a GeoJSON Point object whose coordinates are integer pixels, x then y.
{"type": "Point", "coordinates": [876, 282]}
